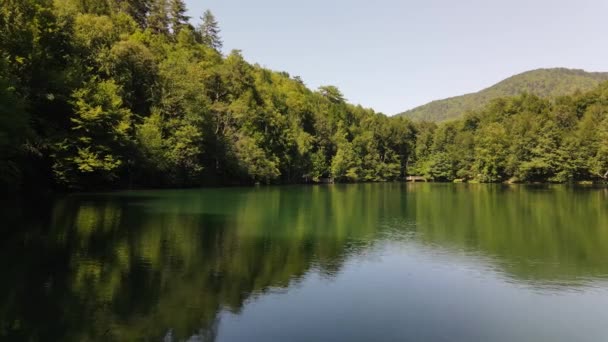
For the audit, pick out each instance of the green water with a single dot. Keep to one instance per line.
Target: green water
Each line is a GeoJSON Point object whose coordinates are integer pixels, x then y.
{"type": "Point", "coordinates": [367, 262]}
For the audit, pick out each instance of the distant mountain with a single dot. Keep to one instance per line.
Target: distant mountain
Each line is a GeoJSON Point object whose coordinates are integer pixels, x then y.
{"type": "Point", "coordinates": [540, 82]}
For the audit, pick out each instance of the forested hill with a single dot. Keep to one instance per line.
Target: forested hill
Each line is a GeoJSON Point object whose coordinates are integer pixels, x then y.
{"type": "Point", "coordinates": [541, 82]}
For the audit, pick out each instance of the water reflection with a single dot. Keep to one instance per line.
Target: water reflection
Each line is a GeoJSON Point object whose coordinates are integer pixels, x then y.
{"type": "Point", "coordinates": [164, 264]}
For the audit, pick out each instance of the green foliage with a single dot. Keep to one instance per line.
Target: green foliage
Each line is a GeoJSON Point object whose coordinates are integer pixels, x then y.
{"type": "Point", "coordinates": [545, 83]}
{"type": "Point", "coordinates": [35, 45]}
{"type": "Point", "coordinates": [150, 139]}
{"type": "Point", "coordinates": [319, 167]}
{"type": "Point", "coordinates": [94, 33]}
{"type": "Point", "coordinates": [256, 162]}
{"type": "Point", "coordinates": [491, 153]}
{"type": "Point", "coordinates": [136, 9]}
{"type": "Point", "coordinates": [332, 93]}
{"type": "Point", "coordinates": [145, 99]}
{"type": "Point", "coordinates": [598, 165]}
{"type": "Point", "coordinates": [131, 65]}
{"type": "Point", "coordinates": [524, 138]}
{"type": "Point", "coordinates": [346, 163]}
{"type": "Point", "coordinates": [158, 18]}
{"type": "Point", "coordinates": [96, 149]}
{"type": "Point", "coordinates": [184, 152]}
{"type": "Point", "coordinates": [178, 18]}
{"type": "Point", "coordinates": [13, 133]}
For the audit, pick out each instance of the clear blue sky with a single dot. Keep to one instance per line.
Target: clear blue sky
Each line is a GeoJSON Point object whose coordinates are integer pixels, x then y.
{"type": "Point", "coordinates": [393, 55]}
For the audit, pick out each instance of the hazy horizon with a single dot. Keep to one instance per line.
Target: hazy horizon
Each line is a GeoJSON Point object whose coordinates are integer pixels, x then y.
{"type": "Point", "coordinates": [408, 54]}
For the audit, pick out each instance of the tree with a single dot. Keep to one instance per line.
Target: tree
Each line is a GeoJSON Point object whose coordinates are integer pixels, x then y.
{"type": "Point", "coordinates": [257, 163]}
{"type": "Point", "coordinates": [184, 149]}
{"type": "Point", "coordinates": [132, 66]}
{"type": "Point", "coordinates": [346, 164]}
{"type": "Point", "coordinates": [599, 164]}
{"type": "Point", "coordinates": [210, 32]}
{"type": "Point", "coordinates": [95, 151]}
{"type": "Point", "coordinates": [319, 167]}
{"type": "Point", "coordinates": [158, 19]}
{"type": "Point", "coordinates": [491, 149]}
{"type": "Point", "coordinates": [423, 149]}
{"type": "Point", "coordinates": [178, 17]}
{"type": "Point", "coordinates": [13, 134]}
{"type": "Point", "coordinates": [332, 93]}
{"type": "Point", "coordinates": [137, 9]}
{"type": "Point", "coordinates": [99, 7]}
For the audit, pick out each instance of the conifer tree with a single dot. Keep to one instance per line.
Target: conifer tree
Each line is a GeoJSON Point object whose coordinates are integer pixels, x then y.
{"type": "Point", "coordinates": [139, 10]}
{"type": "Point", "coordinates": [210, 31]}
{"type": "Point", "coordinates": [158, 19]}
{"type": "Point", "coordinates": [178, 17]}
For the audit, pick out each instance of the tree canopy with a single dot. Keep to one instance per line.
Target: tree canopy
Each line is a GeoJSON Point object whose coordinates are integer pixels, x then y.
{"type": "Point", "coordinates": [520, 139]}
{"type": "Point", "coordinates": [107, 94]}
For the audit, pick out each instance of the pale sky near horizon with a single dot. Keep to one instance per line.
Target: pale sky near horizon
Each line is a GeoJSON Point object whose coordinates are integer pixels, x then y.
{"type": "Point", "coordinates": [393, 55]}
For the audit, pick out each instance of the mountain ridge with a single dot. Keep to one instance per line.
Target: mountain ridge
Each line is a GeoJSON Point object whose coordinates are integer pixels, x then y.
{"type": "Point", "coordinates": [543, 82]}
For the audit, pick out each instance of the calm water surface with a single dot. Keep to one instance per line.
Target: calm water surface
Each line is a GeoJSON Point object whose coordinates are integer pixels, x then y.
{"type": "Point", "coordinates": [369, 262]}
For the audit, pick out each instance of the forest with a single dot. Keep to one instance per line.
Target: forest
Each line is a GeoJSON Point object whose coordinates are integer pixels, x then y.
{"type": "Point", "coordinates": [110, 94]}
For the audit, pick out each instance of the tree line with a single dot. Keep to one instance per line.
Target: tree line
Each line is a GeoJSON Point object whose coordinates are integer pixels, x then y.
{"type": "Point", "coordinates": [520, 139]}
{"type": "Point", "coordinates": [108, 93]}
{"type": "Point", "coordinates": [129, 93]}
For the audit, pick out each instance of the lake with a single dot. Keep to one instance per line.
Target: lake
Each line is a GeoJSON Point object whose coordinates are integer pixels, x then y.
{"type": "Point", "coordinates": [361, 262]}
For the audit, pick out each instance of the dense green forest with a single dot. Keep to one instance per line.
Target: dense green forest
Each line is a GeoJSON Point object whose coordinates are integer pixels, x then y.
{"type": "Point", "coordinates": [104, 93]}
{"type": "Point", "coordinates": [520, 139]}
{"type": "Point", "coordinates": [545, 83]}
{"type": "Point", "coordinates": [101, 94]}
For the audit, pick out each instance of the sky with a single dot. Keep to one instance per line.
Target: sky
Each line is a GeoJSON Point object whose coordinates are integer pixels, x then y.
{"type": "Point", "coordinates": [393, 55]}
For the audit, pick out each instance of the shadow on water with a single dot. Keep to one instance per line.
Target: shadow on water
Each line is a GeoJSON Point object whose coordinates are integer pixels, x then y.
{"type": "Point", "coordinates": [149, 265]}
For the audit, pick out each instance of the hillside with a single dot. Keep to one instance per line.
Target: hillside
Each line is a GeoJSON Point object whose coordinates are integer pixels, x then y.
{"type": "Point", "coordinates": [541, 82]}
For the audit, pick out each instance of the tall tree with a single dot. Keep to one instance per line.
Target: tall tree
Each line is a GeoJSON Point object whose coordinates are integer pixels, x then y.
{"type": "Point", "coordinates": [332, 93]}
{"type": "Point", "coordinates": [158, 19]}
{"type": "Point", "coordinates": [35, 49]}
{"type": "Point", "coordinates": [178, 17]}
{"type": "Point", "coordinates": [96, 150]}
{"type": "Point", "coordinates": [210, 31]}
{"type": "Point", "coordinates": [138, 9]}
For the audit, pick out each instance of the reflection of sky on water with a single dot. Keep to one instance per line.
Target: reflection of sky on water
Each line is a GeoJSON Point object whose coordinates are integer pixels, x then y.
{"type": "Point", "coordinates": [402, 290]}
